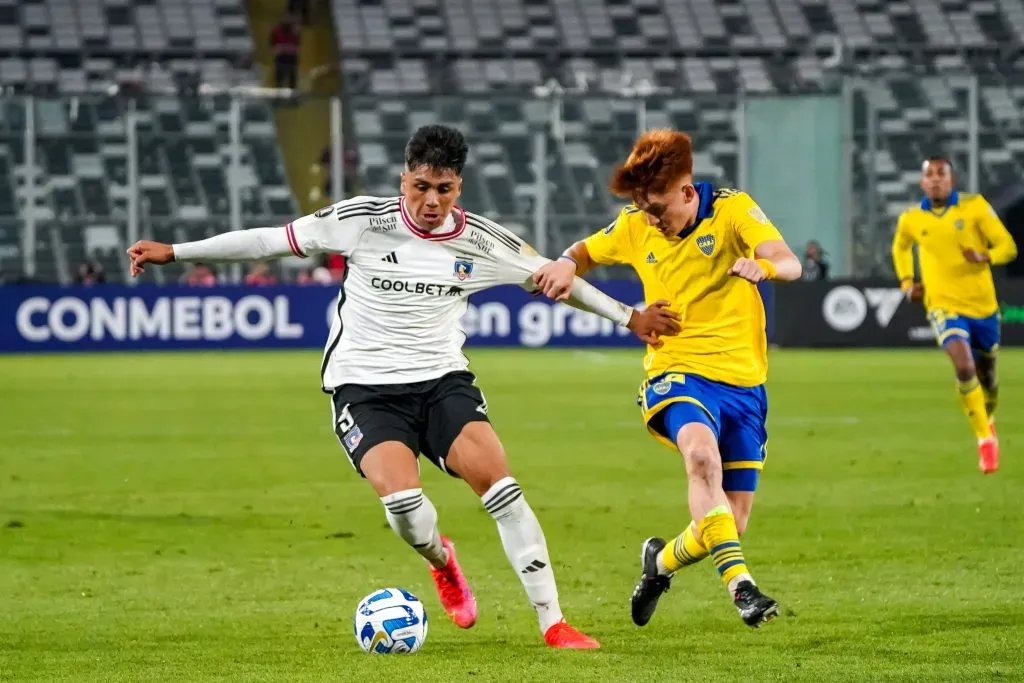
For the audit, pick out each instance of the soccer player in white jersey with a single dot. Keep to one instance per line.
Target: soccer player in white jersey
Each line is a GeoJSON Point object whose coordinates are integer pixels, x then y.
{"type": "Point", "coordinates": [394, 366]}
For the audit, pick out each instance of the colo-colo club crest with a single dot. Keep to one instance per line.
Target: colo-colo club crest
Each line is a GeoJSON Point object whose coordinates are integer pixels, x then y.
{"type": "Point", "coordinates": [464, 268]}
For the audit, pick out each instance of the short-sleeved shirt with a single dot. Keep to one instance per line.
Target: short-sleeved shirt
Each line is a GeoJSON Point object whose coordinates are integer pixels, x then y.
{"type": "Point", "coordinates": [723, 321]}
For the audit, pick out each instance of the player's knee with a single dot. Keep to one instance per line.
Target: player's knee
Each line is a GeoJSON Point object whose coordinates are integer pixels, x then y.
{"type": "Point", "coordinates": [390, 467]}
{"type": "Point", "coordinates": [703, 463]}
{"type": "Point", "coordinates": [965, 370]}
{"type": "Point", "coordinates": [478, 457]}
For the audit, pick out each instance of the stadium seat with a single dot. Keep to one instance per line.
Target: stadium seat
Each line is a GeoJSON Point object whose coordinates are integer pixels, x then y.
{"type": "Point", "coordinates": [477, 64]}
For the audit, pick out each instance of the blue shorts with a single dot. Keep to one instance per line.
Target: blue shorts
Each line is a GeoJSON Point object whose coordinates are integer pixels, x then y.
{"type": "Point", "coordinates": [737, 416]}
{"type": "Point", "coordinates": [981, 333]}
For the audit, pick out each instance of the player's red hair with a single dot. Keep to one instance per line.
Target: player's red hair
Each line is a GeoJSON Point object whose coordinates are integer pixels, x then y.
{"type": "Point", "coordinates": [659, 158]}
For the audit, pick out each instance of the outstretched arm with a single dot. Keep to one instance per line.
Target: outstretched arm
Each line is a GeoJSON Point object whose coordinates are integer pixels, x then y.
{"type": "Point", "coordinates": [556, 279]}
{"type": "Point", "coordinates": [332, 229]}
{"type": "Point", "coordinates": [654, 321]}
{"type": "Point", "coordinates": [241, 245]}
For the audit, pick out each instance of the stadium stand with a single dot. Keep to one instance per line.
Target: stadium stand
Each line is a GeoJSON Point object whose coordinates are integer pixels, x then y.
{"type": "Point", "coordinates": [478, 63]}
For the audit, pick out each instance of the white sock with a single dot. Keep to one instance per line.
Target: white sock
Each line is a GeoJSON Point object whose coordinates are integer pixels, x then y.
{"type": "Point", "coordinates": [737, 580]}
{"type": "Point", "coordinates": [414, 519]}
{"type": "Point", "coordinates": [525, 547]}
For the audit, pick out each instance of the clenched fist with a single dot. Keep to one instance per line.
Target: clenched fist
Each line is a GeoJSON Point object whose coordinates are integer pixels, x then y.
{"type": "Point", "coordinates": [748, 269]}
{"type": "Point", "coordinates": [145, 251]}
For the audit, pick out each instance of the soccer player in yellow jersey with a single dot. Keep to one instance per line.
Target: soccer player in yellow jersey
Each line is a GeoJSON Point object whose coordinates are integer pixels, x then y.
{"type": "Point", "coordinates": [959, 238]}
{"type": "Point", "coordinates": [703, 250]}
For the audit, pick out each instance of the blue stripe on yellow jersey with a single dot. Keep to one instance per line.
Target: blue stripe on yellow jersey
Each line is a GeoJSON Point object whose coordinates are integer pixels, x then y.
{"type": "Point", "coordinates": [723, 323]}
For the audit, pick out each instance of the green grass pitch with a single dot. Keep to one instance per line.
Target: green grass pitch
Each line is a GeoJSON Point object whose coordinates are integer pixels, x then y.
{"type": "Point", "coordinates": [192, 517]}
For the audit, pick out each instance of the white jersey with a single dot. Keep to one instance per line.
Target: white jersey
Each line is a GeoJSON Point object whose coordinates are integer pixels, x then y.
{"type": "Point", "coordinates": [405, 290]}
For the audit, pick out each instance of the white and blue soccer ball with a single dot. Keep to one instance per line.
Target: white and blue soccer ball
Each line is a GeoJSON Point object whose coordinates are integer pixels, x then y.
{"type": "Point", "coordinates": [390, 621]}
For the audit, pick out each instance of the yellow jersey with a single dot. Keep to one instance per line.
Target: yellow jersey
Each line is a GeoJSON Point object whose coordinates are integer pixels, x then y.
{"type": "Point", "coordinates": [722, 317]}
{"type": "Point", "coordinates": [951, 283]}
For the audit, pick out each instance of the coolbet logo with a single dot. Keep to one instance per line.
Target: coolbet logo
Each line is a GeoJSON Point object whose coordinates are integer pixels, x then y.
{"type": "Point", "coordinates": [845, 308]}
{"type": "Point", "coordinates": [428, 288]}
{"type": "Point", "coordinates": [187, 318]}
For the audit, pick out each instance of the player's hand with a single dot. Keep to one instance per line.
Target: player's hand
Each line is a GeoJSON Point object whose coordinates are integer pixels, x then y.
{"type": "Point", "coordinates": [973, 256]}
{"type": "Point", "coordinates": [654, 321]}
{"type": "Point", "coordinates": [749, 270]}
{"type": "Point", "coordinates": [555, 279]}
{"type": "Point", "coordinates": [914, 292]}
{"type": "Point", "coordinates": [144, 251]}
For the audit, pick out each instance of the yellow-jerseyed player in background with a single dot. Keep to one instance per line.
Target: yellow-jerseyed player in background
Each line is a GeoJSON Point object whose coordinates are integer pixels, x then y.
{"type": "Point", "coordinates": [959, 238]}
{"type": "Point", "coordinates": [703, 250]}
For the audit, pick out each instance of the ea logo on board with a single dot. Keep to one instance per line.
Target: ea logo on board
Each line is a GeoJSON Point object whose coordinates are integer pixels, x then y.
{"type": "Point", "coordinates": [844, 308]}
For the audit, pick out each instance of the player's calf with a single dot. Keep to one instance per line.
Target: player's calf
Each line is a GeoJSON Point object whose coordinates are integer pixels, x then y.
{"type": "Point", "coordinates": [478, 457]}
{"type": "Point", "coordinates": [413, 517]}
{"type": "Point", "coordinates": [969, 390]}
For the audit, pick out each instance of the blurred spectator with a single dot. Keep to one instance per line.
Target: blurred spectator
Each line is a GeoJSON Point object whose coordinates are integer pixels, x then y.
{"type": "Point", "coordinates": [260, 275]}
{"type": "Point", "coordinates": [816, 265]}
{"type": "Point", "coordinates": [89, 273]}
{"type": "Point", "coordinates": [199, 276]}
{"type": "Point", "coordinates": [316, 276]}
{"type": "Point", "coordinates": [323, 170]}
{"type": "Point", "coordinates": [336, 266]}
{"type": "Point", "coordinates": [285, 41]}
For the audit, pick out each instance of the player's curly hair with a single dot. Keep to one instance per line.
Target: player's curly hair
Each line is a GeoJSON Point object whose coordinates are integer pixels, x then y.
{"type": "Point", "coordinates": [659, 158]}
{"type": "Point", "coordinates": [437, 147]}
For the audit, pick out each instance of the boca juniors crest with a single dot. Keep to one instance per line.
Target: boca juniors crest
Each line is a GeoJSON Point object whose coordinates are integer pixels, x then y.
{"type": "Point", "coordinates": [706, 244]}
{"type": "Point", "coordinates": [463, 268]}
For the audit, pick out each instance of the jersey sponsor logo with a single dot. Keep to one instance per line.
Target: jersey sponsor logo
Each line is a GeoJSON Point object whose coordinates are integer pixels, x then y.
{"type": "Point", "coordinates": [661, 388]}
{"type": "Point", "coordinates": [845, 308]}
{"type": "Point", "coordinates": [651, 258]}
{"type": "Point", "coordinates": [391, 258]}
{"type": "Point", "coordinates": [477, 239]}
{"type": "Point", "coordinates": [428, 288]}
{"type": "Point", "coordinates": [382, 224]}
{"type": "Point", "coordinates": [464, 268]}
{"type": "Point", "coordinates": [325, 212]}
{"type": "Point", "coordinates": [758, 215]}
{"type": "Point", "coordinates": [706, 244]}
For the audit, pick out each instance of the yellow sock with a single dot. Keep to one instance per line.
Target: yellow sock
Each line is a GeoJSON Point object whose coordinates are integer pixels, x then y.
{"type": "Point", "coordinates": [972, 398]}
{"type": "Point", "coordinates": [991, 399]}
{"type": "Point", "coordinates": [687, 549]}
{"type": "Point", "coordinates": [718, 529]}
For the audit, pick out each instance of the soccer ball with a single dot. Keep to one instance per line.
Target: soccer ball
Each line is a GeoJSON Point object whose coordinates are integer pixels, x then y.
{"type": "Point", "coordinates": [390, 621]}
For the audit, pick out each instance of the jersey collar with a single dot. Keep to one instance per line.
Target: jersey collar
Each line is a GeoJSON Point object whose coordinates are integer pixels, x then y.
{"type": "Point", "coordinates": [451, 228]}
{"type": "Point", "coordinates": [705, 209]}
{"type": "Point", "coordinates": [954, 199]}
